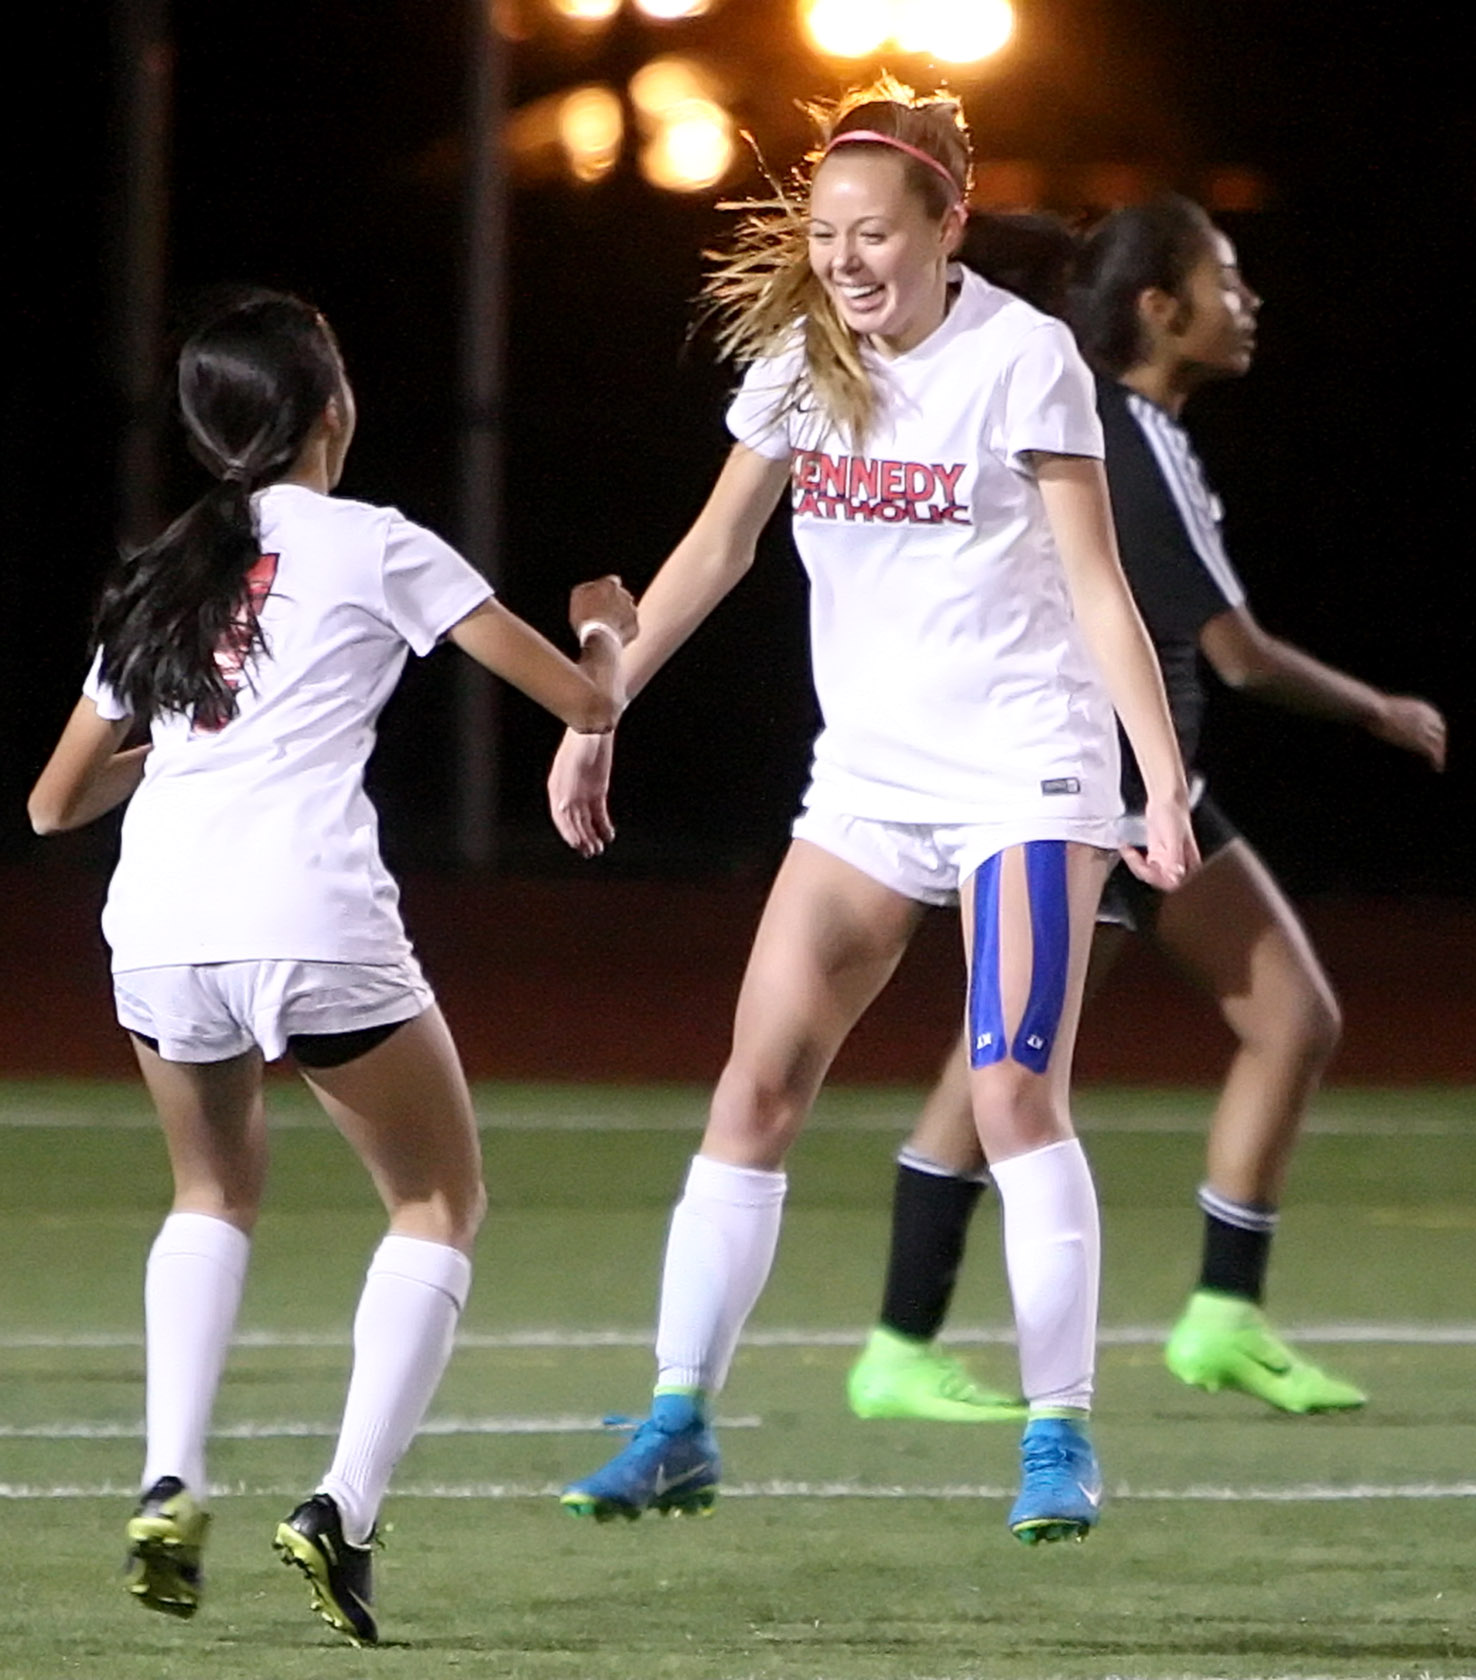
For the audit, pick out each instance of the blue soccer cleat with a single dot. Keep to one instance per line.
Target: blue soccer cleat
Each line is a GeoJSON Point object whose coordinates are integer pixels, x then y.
{"type": "Point", "coordinates": [1060, 1484]}
{"type": "Point", "coordinates": [671, 1466]}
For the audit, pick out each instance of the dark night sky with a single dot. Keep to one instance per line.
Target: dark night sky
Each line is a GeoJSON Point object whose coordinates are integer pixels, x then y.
{"type": "Point", "coordinates": [316, 150]}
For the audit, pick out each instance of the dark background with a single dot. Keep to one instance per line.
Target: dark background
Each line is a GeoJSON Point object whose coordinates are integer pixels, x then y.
{"type": "Point", "coordinates": [318, 148]}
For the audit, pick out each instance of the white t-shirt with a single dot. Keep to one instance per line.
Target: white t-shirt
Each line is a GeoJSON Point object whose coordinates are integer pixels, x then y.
{"type": "Point", "coordinates": [952, 677]}
{"type": "Point", "coordinates": [258, 840]}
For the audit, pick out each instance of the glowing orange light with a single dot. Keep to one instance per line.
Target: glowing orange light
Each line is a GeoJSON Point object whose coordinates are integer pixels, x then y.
{"type": "Point", "coordinates": [666, 11]}
{"type": "Point", "coordinates": [847, 28]}
{"type": "Point", "coordinates": [669, 81]}
{"type": "Point", "coordinates": [591, 127]}
{"type": "Point", "coordinates": [955, 31]}
{"type": "Point", "coordinates": [586, 11]}
{"type": "Point", "coordinates": [691, 147]}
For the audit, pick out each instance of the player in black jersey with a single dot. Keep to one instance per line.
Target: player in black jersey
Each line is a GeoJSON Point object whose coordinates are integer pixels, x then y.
{"type": "Point", "coordinates": [1160, 308]}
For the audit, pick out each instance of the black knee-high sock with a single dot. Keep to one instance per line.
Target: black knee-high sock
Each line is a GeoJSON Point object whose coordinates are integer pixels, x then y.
{"type": "Point", "coordinates": [1237, 1245]}
{"type": "Point", "coordinates": [930, 1223]}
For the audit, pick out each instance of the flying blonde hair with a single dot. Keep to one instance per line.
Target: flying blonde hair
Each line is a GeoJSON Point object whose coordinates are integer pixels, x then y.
{"type": "Point", "coordinates": [762, 291]}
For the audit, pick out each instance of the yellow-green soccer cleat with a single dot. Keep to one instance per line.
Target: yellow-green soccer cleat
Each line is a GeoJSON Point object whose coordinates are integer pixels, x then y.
{"type": "Point", "coordinates": [897, 1377]}
{"type": "Point", "coordinates": [166, 1538]}
{"type": "Point", "coordinates": [339, 1574]}
{"type": "Point", "coordinates": [1225, 1342]}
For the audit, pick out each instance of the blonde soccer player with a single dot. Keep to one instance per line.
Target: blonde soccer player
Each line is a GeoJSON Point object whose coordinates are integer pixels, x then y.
{"type": "Point", "coordinates": [971, 634]}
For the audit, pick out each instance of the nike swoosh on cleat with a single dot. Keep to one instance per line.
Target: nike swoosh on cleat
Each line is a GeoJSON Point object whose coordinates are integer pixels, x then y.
{"type": "Point", "coordinates": [665, 1485]}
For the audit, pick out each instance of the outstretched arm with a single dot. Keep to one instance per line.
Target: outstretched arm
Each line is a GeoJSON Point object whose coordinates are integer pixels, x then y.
{"type": "Point", "coordinates": [1074, 490]}
{"type": "Point", "coordinates": [715, 553]}
{"type": "Point", "coordinates": [1246, 657]}
{"type": "Point", "coordinates": [588, 696]}
{"type": "Point", "coordinates": [86, 775]}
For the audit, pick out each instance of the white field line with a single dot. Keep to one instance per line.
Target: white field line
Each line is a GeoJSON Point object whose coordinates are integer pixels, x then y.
{"type": "Point", "coordinates": [1121, 1335]}
{"type": "Point", "coordinates": [296, 1430]}
{"type": "Point", "coordinates": [863, 1111]}
{"type": "Point", "coordinates": [1303, 1493]}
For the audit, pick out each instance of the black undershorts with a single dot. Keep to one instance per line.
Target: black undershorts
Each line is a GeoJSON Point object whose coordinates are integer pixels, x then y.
{"type": "Point", "coordinates": [323, 1050]}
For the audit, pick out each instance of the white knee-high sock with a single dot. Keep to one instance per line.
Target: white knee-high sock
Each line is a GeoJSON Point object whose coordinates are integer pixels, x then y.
{"type": "Point", "coordinates": [721, 1244]}
{"type": "Point", "coordinates": [1053, 1247]}
{"type": "Point", "coordinates": [403, 1332]}
{"type": "Point", "coordinates": [192, 1289]}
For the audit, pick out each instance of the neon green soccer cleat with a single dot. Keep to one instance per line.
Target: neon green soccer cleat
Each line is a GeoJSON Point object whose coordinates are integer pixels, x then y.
{"type": "Point", "coordinates": [1224, 1342]}
{"type": "Point", "coordinates": [897, 1377]}
{"type": "Point", "coordinates": [166, 1539]}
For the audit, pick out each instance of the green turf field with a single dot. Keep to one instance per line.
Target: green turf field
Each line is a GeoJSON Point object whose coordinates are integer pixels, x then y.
{"type": "Point", "coordinates": [1236, 1543]}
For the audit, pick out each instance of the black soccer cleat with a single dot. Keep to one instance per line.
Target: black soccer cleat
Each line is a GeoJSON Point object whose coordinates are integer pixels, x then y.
{"type": "Point", "coordinates": [338, 1573]}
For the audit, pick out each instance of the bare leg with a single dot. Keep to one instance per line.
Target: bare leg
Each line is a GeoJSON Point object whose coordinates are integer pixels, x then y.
{"type": "Point", "coordinates": [1028, 918]}
{"type": "Point", "coordinates": [405, 1108]}
{"type": "Point", "coordinates": [214, 1130]}
{"type": "Point", "coordinates": [1020, 1085]}
{"type": "Point", "coordinates": [829, 939]}
{"type": "Point", "coordinates": [1232, 931]}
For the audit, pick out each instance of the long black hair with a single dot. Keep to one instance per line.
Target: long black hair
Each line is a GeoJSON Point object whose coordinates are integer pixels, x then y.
{"type": "Point", "coordinates": [1093, 281]}
{"type": "Point", "coordinates": [252, 383]}
{"type": "Point", "coordinates": [1135, 248]}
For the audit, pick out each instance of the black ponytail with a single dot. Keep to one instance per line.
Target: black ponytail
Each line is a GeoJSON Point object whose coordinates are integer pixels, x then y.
{"type": "Point", "coordinates": [253, 382]}
{"type": "Point", "coordinates": [1143, 246]}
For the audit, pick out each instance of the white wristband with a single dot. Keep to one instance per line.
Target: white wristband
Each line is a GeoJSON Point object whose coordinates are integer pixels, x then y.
{"type": "Point", "coordinates": [598, 627]}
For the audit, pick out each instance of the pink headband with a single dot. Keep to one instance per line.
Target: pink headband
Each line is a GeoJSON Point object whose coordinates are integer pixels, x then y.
{"type": "Point", "coordinates": [876, 139]}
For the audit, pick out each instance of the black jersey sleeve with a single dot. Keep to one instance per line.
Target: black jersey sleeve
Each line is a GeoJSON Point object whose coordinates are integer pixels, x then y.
{"type": "Point", "coordinates": [1166, 518]}
{"type": "Point", "coordinates": [1167, 523]}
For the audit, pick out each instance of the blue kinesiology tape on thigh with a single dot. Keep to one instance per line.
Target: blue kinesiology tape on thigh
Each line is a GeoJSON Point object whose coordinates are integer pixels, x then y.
{"type": "Point", "coordinates": [986, 1006]}
{"type": "Point", "coordinates": [1050, 945]}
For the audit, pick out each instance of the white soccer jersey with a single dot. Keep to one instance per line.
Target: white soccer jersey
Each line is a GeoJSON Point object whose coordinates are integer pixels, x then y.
{"type": "Point", "coordinates": [258, 840]}
{"type": "Point", "coordinates": [952, 677]}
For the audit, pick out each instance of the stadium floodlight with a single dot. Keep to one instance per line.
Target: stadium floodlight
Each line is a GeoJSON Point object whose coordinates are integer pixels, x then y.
{"type": "Point", "coordinates": [690, 148]}
{"type": "Point", "coordinates": [586, 11]}
{"type": "Point", "coordinates": [662, 84]}
{"type": "Point", "coordinates": [669, 11]}
{"type": "Point", "coordinates": [954, 31]}
{"type": "Point", "coordinates": [591, 130]}
{"type": "Point", "coordinates": [847, 28]}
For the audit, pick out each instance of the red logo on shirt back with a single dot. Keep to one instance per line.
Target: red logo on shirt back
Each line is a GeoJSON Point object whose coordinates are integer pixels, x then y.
{"type": "Point", "coordinates": [235, 646]}
{"type": "Point", "coordinates": [855, 487]}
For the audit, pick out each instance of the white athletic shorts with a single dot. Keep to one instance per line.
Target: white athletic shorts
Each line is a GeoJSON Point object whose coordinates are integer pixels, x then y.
{"type": "Point", "coordinates": [209, 1012]}
{"type": "Point", "coordinates": [927, 861]}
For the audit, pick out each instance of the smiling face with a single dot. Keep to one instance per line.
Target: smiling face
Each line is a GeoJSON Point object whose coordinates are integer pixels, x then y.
{"type": "Point", "coordinates": [882, 259]}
